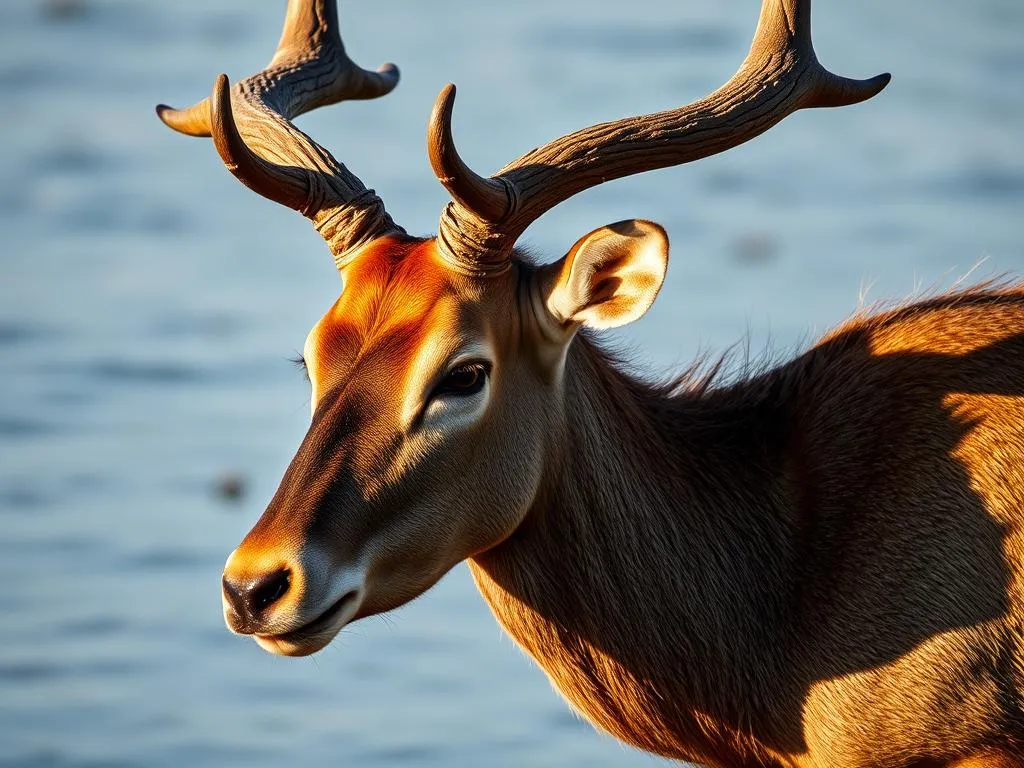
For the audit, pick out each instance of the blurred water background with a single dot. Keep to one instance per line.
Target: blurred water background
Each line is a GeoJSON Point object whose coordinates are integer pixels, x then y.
{"type": "Point", "coordinates": [149, 303]}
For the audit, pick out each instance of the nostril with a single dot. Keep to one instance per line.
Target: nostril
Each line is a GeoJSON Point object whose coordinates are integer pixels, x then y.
{"type": "Point", "coordinates": [268, 590]}
{"type": "Point", "coordinates": [249, 598]}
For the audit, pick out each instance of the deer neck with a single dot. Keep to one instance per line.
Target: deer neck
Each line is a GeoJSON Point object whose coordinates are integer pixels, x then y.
{"type": "Point", "coordinates": [652, 578]}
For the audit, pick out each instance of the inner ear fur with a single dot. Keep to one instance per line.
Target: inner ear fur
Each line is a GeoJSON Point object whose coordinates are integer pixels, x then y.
{"type": "Point", "coordinates": [610, 277]}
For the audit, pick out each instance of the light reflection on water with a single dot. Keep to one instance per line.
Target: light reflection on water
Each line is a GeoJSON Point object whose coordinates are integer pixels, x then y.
{"type": "Point", "coordinates": [148, 304]}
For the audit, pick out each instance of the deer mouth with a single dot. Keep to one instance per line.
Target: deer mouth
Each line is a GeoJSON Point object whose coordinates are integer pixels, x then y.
{"type": "Point", "coordinates": [314, 635]}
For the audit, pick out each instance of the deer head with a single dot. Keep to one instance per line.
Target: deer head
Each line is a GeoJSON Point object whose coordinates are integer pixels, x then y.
{"type": "Point", "coordinates": [438, 375]}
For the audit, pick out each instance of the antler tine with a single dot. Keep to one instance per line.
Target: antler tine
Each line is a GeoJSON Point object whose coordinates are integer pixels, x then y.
{"type": "Point", "coordinates": [252, 129]}
{"type": "Point", "coordinates": [487, 197]}
{"type": "Point", "coordinates": [287, 186]}
{"type": "Point", "coordinates": [780, 75]}
{"type": "Point", "coordinates": [192, 121]}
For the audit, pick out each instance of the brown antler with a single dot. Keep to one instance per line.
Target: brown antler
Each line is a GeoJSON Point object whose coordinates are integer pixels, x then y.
{"type": "Point", "coordinates": [252, 130]}
{"type": "Point", "coordinates": [780, 75]}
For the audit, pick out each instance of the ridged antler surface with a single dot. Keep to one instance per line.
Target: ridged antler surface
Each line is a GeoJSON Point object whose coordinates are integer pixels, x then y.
{"type": "Point", "coordinates": [780, 75]}
{"type": "Point", "coordinates": [251, 127]}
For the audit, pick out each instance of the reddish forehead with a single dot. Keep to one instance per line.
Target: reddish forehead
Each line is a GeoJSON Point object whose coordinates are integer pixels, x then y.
{"type": "Point", "coordinates": [392, 290]}
{"type": "Point", "coordinates": [393, 281]}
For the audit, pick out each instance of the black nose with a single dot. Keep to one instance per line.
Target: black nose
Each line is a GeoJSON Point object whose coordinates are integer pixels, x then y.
{"type": "Point", "coordinates": [250, 598]}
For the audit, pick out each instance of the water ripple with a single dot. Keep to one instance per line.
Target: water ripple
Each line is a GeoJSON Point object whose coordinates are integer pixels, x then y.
{"type": "Point", "coordinates": [49, 758]}
{"type": "Point", "coordinates": [94, 626]}
{"type": "Point", "coordinates": [982, 184]}
{"type": "Point", "coordinates": [164, 560]}
{"type": "Point", "coordinates": [620, 40]}
{"type": "Point", "coordinates": [28, 671]}
{"type": "Point", "coordinates": [123, 370]}
{"type": "Point", "coordinates": [14, 333]}
{"type": "Point", "coordinates": [20, 427]}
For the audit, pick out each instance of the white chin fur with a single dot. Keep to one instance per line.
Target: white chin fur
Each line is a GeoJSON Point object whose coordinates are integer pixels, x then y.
{"type": "Point", "coordinates": [305, 641]}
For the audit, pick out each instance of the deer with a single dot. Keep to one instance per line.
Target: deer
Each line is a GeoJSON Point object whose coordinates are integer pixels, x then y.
{"type": "Point", "coordinates": [818, 563]}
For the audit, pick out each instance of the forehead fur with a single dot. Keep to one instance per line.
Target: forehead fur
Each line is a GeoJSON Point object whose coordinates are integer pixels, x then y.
{"type": "Point", "coordinates": [394, 281]}
{"type": "Point", "coordinates": [396, 292]}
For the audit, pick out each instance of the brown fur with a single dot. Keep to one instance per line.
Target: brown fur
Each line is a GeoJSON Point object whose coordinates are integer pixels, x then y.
{"type": "Point", "coordinates": [820, 566]}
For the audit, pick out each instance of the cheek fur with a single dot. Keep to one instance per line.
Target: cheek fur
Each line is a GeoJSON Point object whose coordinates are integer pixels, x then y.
{"type": "Point", "coordinates": [451, 413]}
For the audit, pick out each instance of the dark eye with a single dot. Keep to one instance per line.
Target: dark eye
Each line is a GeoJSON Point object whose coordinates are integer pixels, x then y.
{"type": "Point", "coordinates": [465, 380]}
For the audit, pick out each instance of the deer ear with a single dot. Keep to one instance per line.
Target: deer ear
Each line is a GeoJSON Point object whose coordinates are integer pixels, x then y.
{"type": "Point", "coordinates": [610, 277]}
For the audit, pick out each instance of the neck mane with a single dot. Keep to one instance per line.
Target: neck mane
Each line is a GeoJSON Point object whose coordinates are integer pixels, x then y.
{"type": "Point", "coordinates": [654, 577]}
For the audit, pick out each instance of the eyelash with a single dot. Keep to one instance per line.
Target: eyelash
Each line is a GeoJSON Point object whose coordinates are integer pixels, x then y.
{"type": "Point", "coordinates": [300, 362]}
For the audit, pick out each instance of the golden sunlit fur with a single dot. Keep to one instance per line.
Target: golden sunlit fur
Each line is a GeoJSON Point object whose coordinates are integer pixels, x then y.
{"type": "Point", "coordinates": [818, 566]}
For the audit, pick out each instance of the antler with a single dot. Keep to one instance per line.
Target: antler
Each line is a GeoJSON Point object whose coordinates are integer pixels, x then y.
{"type": "Point", "coordinates": [780, 75]}
{"type": "Point", "coordinates": [252, 130]}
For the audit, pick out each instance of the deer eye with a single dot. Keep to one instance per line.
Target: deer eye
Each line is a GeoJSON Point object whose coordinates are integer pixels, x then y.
{"type": "Point", "coordinates": [465, 380]}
